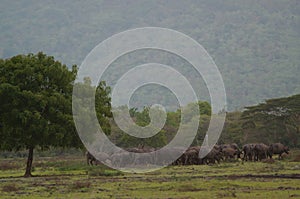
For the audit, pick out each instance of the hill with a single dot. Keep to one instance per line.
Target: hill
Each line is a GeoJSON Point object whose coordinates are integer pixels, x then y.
{"type": "Point", "coordinates": [255, 44]}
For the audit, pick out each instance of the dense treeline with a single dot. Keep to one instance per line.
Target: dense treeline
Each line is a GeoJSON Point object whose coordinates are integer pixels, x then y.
{"type": "Point", "coordinates": [276, 120]}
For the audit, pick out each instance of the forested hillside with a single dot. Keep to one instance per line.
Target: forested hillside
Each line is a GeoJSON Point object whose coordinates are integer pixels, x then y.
{"type": "Point", "coordinates": [255, 43]}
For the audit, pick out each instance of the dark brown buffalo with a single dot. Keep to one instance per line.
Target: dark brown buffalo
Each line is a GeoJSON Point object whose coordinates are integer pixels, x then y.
{"type": "Point", "coordinates": [165, 156]}
{"type": "Point", "coordinates": [215, 155]}
{"type": "Point", "coordinates": [278, 148]}
{"type": "Point", "coordinates": [248, 152]}
{"type": "Point", "coordinates": [218, 147]}
{"type": "Point", "coordinates": [90, 159]}
{"type": "Point", "coordinates": [233, 146]}
{"type": "Point", "coordinates": [229, 153]}
{"type": "Point", "coordinates": [261, 151]}
{"type": "Point", "coordinates": [190, 157]}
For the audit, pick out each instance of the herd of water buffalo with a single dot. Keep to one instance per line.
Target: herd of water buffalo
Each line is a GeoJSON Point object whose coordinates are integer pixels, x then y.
{"type": "Point", "coordinates": [223, 152]}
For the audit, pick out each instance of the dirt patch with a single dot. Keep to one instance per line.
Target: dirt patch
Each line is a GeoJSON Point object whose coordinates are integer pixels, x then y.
{"type": "Point", "coordinates": [288, 176]}
{"type": "Point", "coordinates": [8, 166]}
{"type": "Point", "coordinates": [81, 185]}
{"type": "Point", "coordinates": [288, 188]}
{"type": "Point", "coordinates": [225, 195]}
{"type": "Point", "coordinates": [296, 158]}
{"type": "Point", "coordinates": [269, 161]}
{"type": "Point", "coordinates": [188, 188]}
{"type": "Point", "coordinates": [9, 188]}
{"type": "Point", "coordinates": [295, 196]}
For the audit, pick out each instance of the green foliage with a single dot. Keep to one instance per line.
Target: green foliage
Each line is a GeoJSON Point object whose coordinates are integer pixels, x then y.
{"type": "Point", "coordinates": [142, 118]}
{"type": "Point", "coordinates": [35, 103]}
{"type": "Point", "coordinates": [173, 120]}
{"type": "Point", "coordinates": [204, 107]}
{"type": "Point", "coordinates": [103, 106]}
{"type": "Point", "coordinates": [232, 131]}
{"type": "Point", "coordinates": [83, 100]}
{"type": "Point", "coordinates": [278, 119]}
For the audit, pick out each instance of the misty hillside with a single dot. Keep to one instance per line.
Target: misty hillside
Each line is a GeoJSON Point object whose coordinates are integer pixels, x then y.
{"type": "Point", "coordinates": [255, 43]}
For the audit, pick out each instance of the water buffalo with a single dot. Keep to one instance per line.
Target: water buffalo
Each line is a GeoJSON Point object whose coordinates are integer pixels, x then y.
{"type": "Point", "coordinates": [248, 151]}
{"type": "Point", "coordinates": [229, 153]}
{"type": "Point", "coordinates": [233, 146]}
{"type": "Point", "coordinates": [261, 151]}
{"type": "Point", "coordinates": [214, 155]}
{"type": "Point", "coordinates": [192, 155]}
{"type": "Point", "coordinates": [172, 155]}
{"type": "Point", "coordinates": [189, 157]}
{"type": "Point", "coordinates": [278, 148]}
{"type": "Point", "coordinates": [90, 159]}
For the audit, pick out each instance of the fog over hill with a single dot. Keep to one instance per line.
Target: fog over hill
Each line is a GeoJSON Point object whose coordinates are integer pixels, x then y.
{"type": "Point", "coordinates": [255, 44]}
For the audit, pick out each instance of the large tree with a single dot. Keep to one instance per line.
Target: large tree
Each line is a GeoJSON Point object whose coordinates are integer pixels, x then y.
{"type": "Point", "coordinates": [35, 104]}
{"type": "Point", "coordinates": [279, 117]}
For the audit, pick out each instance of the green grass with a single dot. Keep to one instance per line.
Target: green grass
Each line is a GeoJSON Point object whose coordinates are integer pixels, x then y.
{"type": "Point", "coordinates": [70, 177]}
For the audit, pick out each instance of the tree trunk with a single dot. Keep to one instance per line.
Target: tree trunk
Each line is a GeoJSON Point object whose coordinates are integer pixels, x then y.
{"type": "Point", "coordinates": [29, 163]}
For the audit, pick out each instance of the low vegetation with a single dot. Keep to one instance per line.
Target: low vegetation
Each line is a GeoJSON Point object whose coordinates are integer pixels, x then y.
{"type": "Point", "coordinates": [236, 179]}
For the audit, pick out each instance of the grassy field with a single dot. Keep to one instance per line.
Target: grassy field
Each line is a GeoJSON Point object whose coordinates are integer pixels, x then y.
{"type": "Point", "coordinates": [70, 177]}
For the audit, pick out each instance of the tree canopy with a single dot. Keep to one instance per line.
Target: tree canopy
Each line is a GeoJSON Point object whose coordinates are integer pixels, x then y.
{"type": "Point", "coordinates": [279, 117]}
{"type": "Point", "coordinates": [35, 104]}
